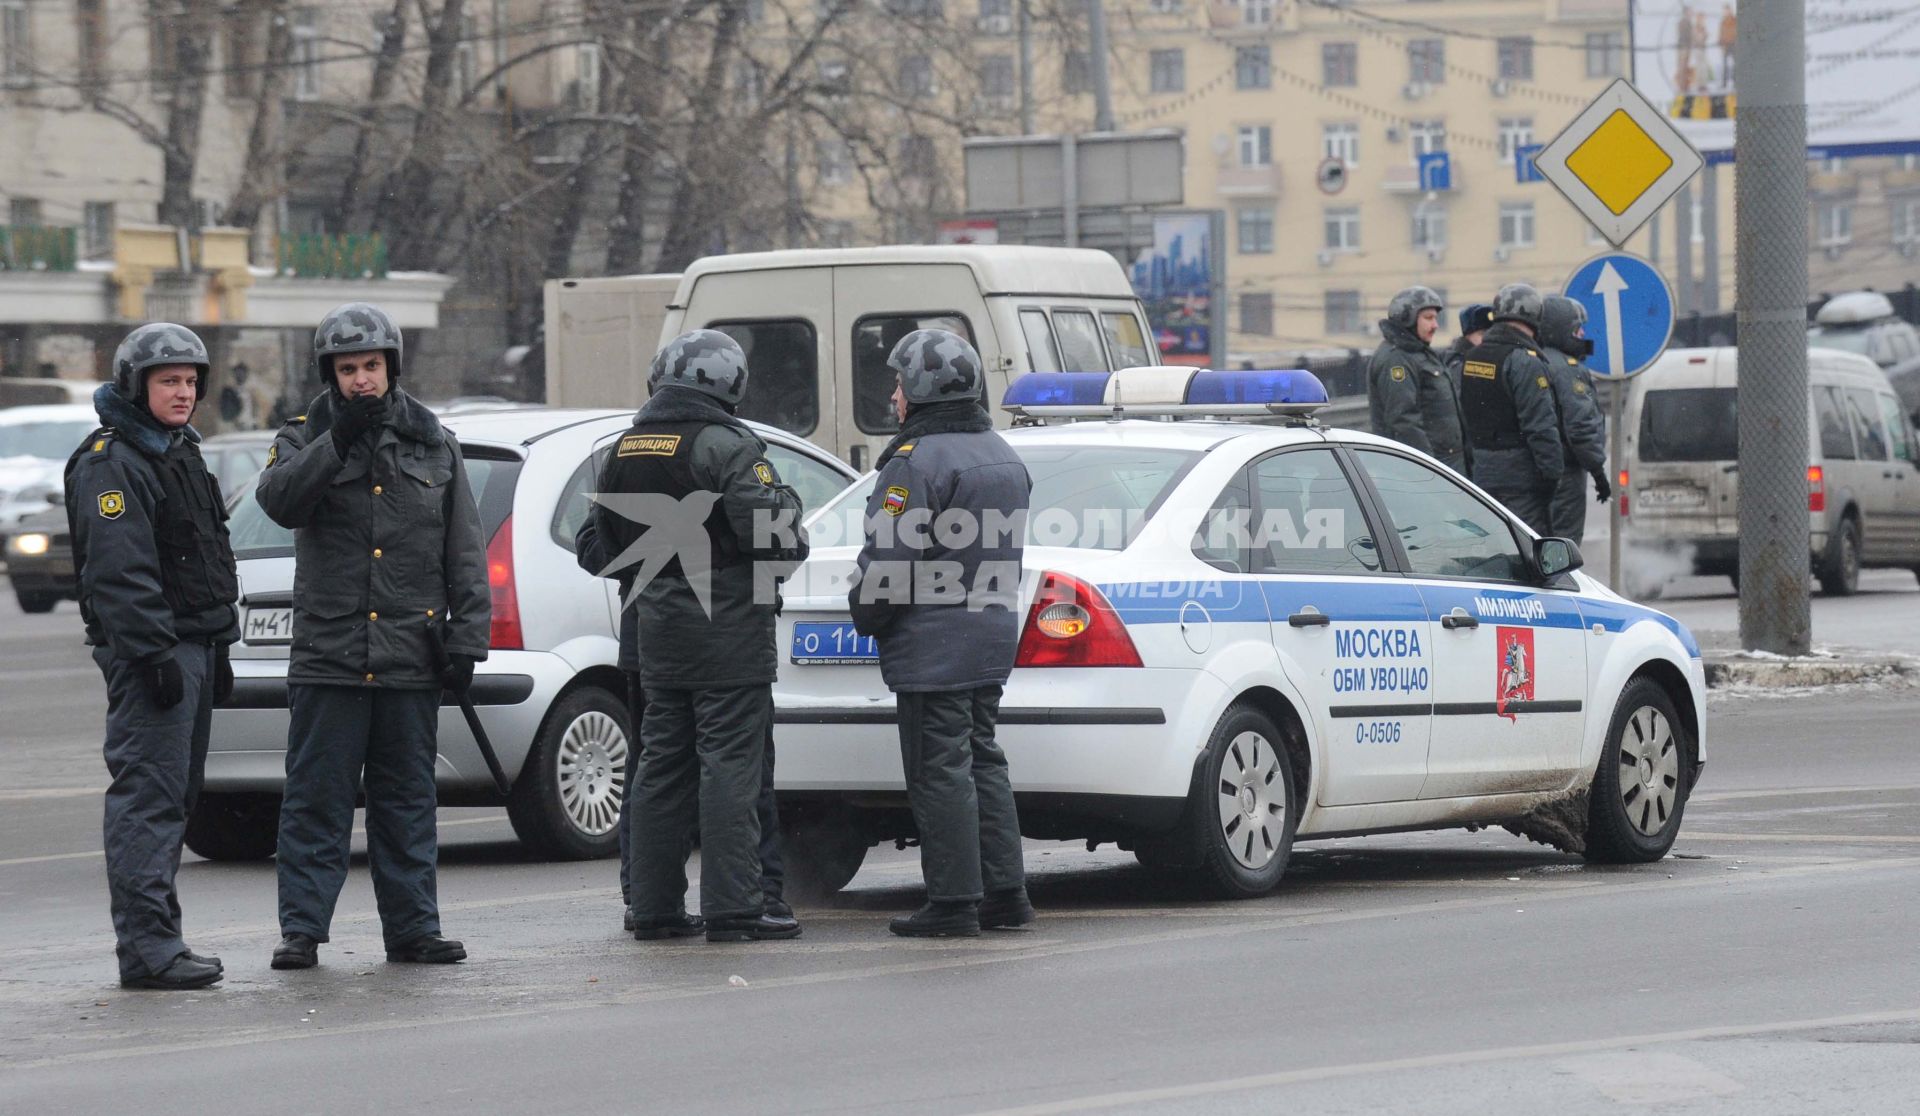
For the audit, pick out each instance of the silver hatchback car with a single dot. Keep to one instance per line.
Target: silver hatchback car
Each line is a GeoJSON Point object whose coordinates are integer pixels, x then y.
{"type": "Point", "coordinates": [550, 695]}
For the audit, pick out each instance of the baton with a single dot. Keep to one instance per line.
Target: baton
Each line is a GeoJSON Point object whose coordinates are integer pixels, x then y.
{"type": "Point", "coordinates": [441, 661]}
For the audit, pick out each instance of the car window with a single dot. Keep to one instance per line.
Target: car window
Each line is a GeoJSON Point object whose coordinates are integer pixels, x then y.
{"type": "Point", "coordinates": [570, 513]}
{"type": "Point", "coordinates": [816, 483]}
{"type": "Point", "coordinates": [1689, 424]}
{"type": "Point", "coordinates": [1896, 427]}
{"type": "Point", "coordinates": [1836, 437]}
{"type": "Point", "coordinates": [1041, 352]}
{"type": "Point", "coordinates": [783, 372]}
{"type": "Point", "coordinates": [1446, 530]}
{"type": "Point", "coordinates": [1846, 340]}
{"type": "Point", "coordinates": [1124, 339]}
{"type": "Point", "coordinates": [1080, 349]}
{"type": "Point", "coordinates": [253, 535]}
{"type": "Point", "coordinates": [51, 441]}
{"type": "Point", "coordinates": [1224, 539]}
{"type": "Point", "coordinates": [1308, 521]}
{"type": "Point", "coordinates": [873, 340]}
{"type": "Point", "coordinates": [1867, 430]}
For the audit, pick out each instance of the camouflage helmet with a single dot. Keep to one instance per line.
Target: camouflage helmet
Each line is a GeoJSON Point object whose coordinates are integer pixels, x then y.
{"type": "Point", "coordinates": [152, 346]}
{"type": "Point", "coordinates": [1404, 309]}
{"type": "Point", "coordinates": [357, 327]}
{"type": "Point", "coordinates": [706, 360]}
{"type": "Point", "coordinates": [1560, 317]}
{"type": "Point", "coordinates": [1518, 302]}
{"type": "Point", "coordinates": [936, 366]}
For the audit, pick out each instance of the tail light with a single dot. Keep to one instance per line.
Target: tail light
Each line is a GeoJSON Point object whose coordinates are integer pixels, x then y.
{"type": "Point", "coordinates": [1621, 489]}
{"type": "Point", "coordinates": [504, 635]}
{"type": "Point", "coordinates": [1816, 489]}
{"type": "Point", "coordinates": [1072, 625]}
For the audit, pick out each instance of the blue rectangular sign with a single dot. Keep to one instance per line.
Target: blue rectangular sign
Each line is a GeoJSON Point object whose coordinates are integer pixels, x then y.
{"type": "Point", "coordinates": [1523, 169]}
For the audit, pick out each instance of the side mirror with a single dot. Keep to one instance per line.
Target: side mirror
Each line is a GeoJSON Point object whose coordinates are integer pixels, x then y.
{"type": "Point", "coordinates": [1553, 557]}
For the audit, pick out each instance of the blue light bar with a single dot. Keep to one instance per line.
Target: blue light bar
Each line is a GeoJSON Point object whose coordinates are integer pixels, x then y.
{"type": "Point", "coordinates": [1289, 386]}
{"type": "Point", "coordinates": [1056, 389]}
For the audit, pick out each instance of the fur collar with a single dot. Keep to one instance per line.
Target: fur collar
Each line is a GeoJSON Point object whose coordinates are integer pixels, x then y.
{"type": "Point", "coordinates": [961, 416]}
{"type": "Point", "coordinates": [674, 403]}
{"type": "Point", "coordinates": [1402, 338]}
{"type": "Point", "coordinates": [130, 421]}
{"type": "Point", "coordinates": [409, 417]}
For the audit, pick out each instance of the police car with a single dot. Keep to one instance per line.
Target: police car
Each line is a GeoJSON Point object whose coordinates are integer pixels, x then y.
{"type": "Point", "coordinates": [1241, 633]}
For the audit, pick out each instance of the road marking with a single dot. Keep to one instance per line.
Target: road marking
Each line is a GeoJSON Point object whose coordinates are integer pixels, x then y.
{"type": "Point", "coordinates": [358, 831]}
{"type": "Point", "coordinates": [1450, 1060]}
{"type": "Point", "coordinates": [1790, 792]}
{"type": "Point", "coordinates": [51, 792]}
{"type": "Point", "coordinates": [1809, 838]}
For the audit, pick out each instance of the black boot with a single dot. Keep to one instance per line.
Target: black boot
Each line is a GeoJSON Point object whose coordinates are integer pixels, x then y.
{"type": "Point", "coordinates": [776, 907]}
{"type": "Point", "coordinates": [296, 951]}
{"type": "Point", "coordinates": [765, 928]}
{"type": "Point", "coordinates": [208, 960]}
{"type": "Point", "coordinates": [626, 923]}
{"type": "Point", "coordinates": [681, 925]}
{"type": "Point", "coordinates": [184, 975]}
{"type": "Point", "coordinates": [940, 918]}
{"type": "Point", "coordinates": [428, 949]}
{"type": "Point", "coordinates": [1001, 910]}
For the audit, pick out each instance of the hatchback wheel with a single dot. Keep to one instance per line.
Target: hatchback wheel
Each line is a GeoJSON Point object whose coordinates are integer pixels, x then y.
{"type": "Point", "coordinates": [1640, 788]}
{"type": "Point", "coordinates": [566, 803]}
{"type": "Point", "coordinates": [1238, 828]}
{"type": "Point", "coordinates": [1840, 569]}
{"type": "Point", "coordinates": [35, 600]}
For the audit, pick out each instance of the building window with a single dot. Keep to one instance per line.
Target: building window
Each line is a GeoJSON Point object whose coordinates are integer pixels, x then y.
{"type": "Point", "coordinates": [997, 78]}
{"type": "Point", "coordinates": [1253, 67]}
{"type": "Point", "coordinates": [23, 212]}
{"type": "Point", "coordinates": [1427, 61]}
{"type": "Point", "coordinates": [1343, 312]}
{"type": "Point", "coordinates": [586, 83]}
{"type": "Point", "coordinates": [834, 234]}
{"type": "Point", "coordinates": [1427, 136]}
{"type": "Point", "coordinates": [1256, 13]}
{"type": "Point", "coordinates": [244, 56]}
{"type": "Point", "coordinates": [1429, 227]}
{"type": "Point", "coordinates": [917, 158]}
{"type": "Point", "coordinates": [1164, 7]}
{"type": "Point", "coordinates": [1341, 141]}
{"type": "Point", "coordinates": [1339, 64]}
{"type": "Point", "coordinates": [98, 230]}
{"type": "Point", "coordinates": [90, 17]}
{"type": "Point", "coordinates": [16, 44]}
{"type": "Point", "coordinates": [916, 76]}
{"type": "Point", "coordinates": [1606, 54]}
{"type": "Point", "coordinates": [1833, 164]}
{"type": "Point", "coordinates": [1256, 231]}
{"type": "Point", "coordinates": [1906, 220]}
{"type": "Point", "coordinates": [1515, 132]}
{"type": "Point", "coordinates": [1167, 71]}
{"type": "Point", "coordinates": [306, 54]}
{"type": "Point", "coordinates": [836, 80]}
{"type": "Point", "coordinates": [1256, 145]}
{"type": "Point", "coordinates": [1835, 228]}
{"type": "Point", "coordinates": [1515, 57]}
{"type": "Point", "coordinates": [466, 62]}
{"type": "Point", "coordinates": [1697, 216]}
{"type": "Point", "coordinates": [917, 9]}
{"type": "Point", "coordinates": [1343, 229]}
{"type": "Point", "coordinates": [835, 159]}
{"type": "Point", "coordinates": [1516, 224]}
{"type": "Point", "coordinates": [1078, 75]}
{"type": "Point", "coordinates": [1256, 312]}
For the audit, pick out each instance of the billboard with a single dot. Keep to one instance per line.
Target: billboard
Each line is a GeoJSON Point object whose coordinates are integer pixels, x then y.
{"type": "Point", "coordinates": [1861, 65]}
{"type": "Point", "coordinates": [1176, 280]}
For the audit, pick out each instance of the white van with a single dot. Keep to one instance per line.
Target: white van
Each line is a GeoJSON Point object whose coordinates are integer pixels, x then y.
{"type": "Point", "coordinates": [1683, 472]}
{"type": "Point", "coordinates": [818, 324]}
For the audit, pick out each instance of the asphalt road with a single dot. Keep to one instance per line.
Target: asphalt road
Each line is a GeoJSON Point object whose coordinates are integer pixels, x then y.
{"type": "Point", "coordinates": [1767, 967]}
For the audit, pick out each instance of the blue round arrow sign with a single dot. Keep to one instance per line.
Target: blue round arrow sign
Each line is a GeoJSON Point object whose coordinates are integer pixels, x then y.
{"type": "Point", "coordinates": [1629, 312]}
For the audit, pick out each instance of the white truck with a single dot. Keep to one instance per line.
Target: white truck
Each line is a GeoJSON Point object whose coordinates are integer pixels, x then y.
{"type": "Point", "coordinates": [817, 325]}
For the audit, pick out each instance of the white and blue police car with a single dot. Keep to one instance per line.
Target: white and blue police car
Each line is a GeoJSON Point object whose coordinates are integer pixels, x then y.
{"type": "Point", "coordinates": [1242, 629]}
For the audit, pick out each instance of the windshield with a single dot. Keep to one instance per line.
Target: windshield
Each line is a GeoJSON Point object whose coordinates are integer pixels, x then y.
{"type": "Point", "coordinates": [1847, 340]}
{"type": "Point", "coordinates": [1087, 497]}
{"type": "Point", "coordinates": [1689, 424]}
{"type": "Point", "coordinates": [255, 536]}
{"type": "Point", "coordinates": [53, 441]}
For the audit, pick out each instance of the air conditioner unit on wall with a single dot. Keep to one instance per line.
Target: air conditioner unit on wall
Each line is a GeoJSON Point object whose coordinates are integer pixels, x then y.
{"type": "Point", "coordinates": [1435, 255]}
{"type": "Point", "coordinates": [1325, 257]}
{"type": "Point", "coordinates": [1393, 134]}
{"type": "Point", "coordinates": [1414, 90]}
{"type": "Point", "coordinates": [1502, 254]}
{"type": "Point", "coordinates": [1501, 87]}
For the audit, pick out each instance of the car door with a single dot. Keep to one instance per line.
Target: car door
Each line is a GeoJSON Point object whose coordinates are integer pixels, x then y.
{"type": "Point", "coordinates": [1352, 636]}
{"type": "Point", "coordinates": [1902, 472]}
{"type": "Point", "coordinates": [1877, 484]}
{"type": "Point", "coordinates": [1509, 657]}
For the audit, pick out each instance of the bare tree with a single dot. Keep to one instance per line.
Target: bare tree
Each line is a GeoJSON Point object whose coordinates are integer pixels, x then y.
{"type": "Point", "coordinates": [263, 174]}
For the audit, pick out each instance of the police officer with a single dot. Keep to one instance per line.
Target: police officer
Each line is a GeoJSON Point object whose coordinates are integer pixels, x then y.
{"type": "Point", "coordinates": [1508, 398]}
{"type": "Point", "coordinates": [1474, 321]}
{"type": "Point", "coordinates": [1410, 397]}
{"type": "Point", "coordinates": [690, 502]}
{"type": "Point", "coordinates": [938, 582]}
{"type": "Point", "coordinates": [389, 561]}
{"type": "Point", "coordinates": [1582, 429]}
{"type": "Point", "coordinates": [157, 590]}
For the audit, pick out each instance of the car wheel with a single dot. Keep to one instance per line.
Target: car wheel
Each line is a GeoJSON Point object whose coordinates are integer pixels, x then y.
{"type": "Point", "coordinates": [822, 849]}
{"type": "Point", "coordinates": [1640, 788]}
{"type": "Point", "coordinates": [234, 826]}
{"type": "Point", "coordinates": [566, 803]}
{"type": "Point", "coordinates": [1240, 818]}
{"type": "Point", "coordinates": [1840, 569]}
{"type": "Point", "coordinates": [31, 601]}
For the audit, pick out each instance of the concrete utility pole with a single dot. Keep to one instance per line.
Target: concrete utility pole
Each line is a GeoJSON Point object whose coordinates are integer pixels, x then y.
{"type": "Point", "coordinates": [1770, 200]}
{"type": "Point", "coordinates": [1026, 67]}
{"type": "Point", "coordinates": [1102, 79]}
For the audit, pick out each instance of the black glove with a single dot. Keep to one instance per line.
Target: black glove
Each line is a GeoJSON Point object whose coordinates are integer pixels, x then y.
{"type": "Point", "coordinates": [458, 675]}
{"type": "Point", "coordinates": [222, 675]}
{"type": "Point", "coordinates": [357, 416]}
{"type": "Point", "coordinates": [164, 685]}
{"type": "Point", "coordinates": [1602, 488]}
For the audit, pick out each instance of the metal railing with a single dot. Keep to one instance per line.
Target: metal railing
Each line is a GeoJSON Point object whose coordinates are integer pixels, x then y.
{"type": "Point", "coordinates": [39, 247]}
{"type": "Point", "coordinates": [329, 256]}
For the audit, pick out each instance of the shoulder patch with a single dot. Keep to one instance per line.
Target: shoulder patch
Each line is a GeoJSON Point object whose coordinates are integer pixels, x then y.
{"type": "Point", "coordinates": [649, 445]}
{"type": "Point", "coordinates": [895, 501]}
{"type": "Point", "coordinates": [908, 448]}
{"type": "Point", "coordinates": [113, 504]}
{"type": "Point", "coordinates": [763, 471]}
{"type": "Point", "coordinates": [1398, 373]}
{"type": "Point", "coordinates": [297, 420]}
{"type": "Point", "coordinates": [1531, 353]}
{"type": "Point", "coordinates": [1579, 388]}
{"type": "Point", "coordinates": [273, 454]}
{"type": "Point", "coordinates": [1541, 380]}
{"type": "Point", "coordinates": [99, 444]}
{"type": "Point", "coordinates": [1480, 369]}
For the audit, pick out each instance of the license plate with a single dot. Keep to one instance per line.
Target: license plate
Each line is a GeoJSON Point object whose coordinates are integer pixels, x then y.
{"type": "Point", "coordinates": [832, 645]}
{"type": "Point", "coordinates": [1676, 497]}
{"type": "Point", "coordinates": [266, 626]}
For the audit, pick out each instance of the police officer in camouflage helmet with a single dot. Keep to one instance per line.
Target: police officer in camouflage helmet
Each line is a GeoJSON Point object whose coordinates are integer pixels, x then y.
{"type": "Point", "coordinates": [389, 564]}
{"type": "Point", "coordinates": [157, 593]}
{"type": "Point", "coordinates": [1507, 395]}
{"type": "Point", "coordinates": [1582, 428]}
{"type": "Point", "coordinates": [702, 528]}
{"type": "Point", "coordinates": [942, 604]}
{"type": "Point", "coordinates": [1410, 397]}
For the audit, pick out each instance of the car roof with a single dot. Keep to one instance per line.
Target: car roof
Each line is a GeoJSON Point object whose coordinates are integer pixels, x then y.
{"type": "Point", "coordinates": [1202, 435]}
{"type": "Point", "coordinates": [523, 426]}
{"type": "Point", "coordinates": [1854, 308]}
{"type": "Point", "coordinates": [999, 268]}
{"type": "Point", "coordinates": [48, 412]}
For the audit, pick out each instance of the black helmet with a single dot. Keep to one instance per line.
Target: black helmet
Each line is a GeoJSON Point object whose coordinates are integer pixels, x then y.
{"type": "Point", "coordinates": [357, 327]}
{"type": "Point", "coordinates": [1518, 302]}
{"type": "Point", "coordinates": [1476, 318]}
{"type": "Point", "coordinates": [936, 366]}
{"type": "Point", "coordinates": [1559, 318]}
{"type": "Point", "coordinates": [706, 360]}
{"type": "Point", "coordinates": [1405, 308]}
{"type": "Point", "coordinates": [152, 346]}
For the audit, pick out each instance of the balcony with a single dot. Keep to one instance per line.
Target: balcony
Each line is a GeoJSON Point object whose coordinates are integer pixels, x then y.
{"type": "Point", "coordinates": [38, 248]}
{"type": "Point", "coordinates": [1588, 11]}
{"type": "Point", "coordinates": [1823, 183]}
{"type": "Point", "coordinates": [1404, 178]}
{"type": "Point", "coordinates": [1249, 182]}
{"type": "Point", "coordinates": [323, 256]}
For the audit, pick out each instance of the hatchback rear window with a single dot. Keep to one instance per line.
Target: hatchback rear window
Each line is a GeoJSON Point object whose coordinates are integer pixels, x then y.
{"type": "Point", "coordinates": [1689, 424]}
{"type": "Point", "coordinates": [253, 535]}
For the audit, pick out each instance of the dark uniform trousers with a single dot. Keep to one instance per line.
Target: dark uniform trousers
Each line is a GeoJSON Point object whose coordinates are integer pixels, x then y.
{"type": "Point", "coordinates": [961, 796]}
{"type": "Point", "coordinates": [703, 755]}
{"type": "Point", "coordinates": [1567, 513]}
{"type": "Point", "coordinates": [336, 733]}
{"type": "Point", "coordinates": [157, 758]}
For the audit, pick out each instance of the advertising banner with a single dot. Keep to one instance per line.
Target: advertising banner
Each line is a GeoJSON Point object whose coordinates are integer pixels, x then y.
{"type": "Point", "coordinates": [1175, 278]}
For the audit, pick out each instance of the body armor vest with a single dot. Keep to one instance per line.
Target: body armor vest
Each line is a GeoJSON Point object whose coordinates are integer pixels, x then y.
{"type": "Point", "coordinates": [657, 457]}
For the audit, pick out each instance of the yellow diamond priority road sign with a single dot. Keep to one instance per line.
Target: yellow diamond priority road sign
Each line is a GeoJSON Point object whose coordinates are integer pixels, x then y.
{"type": "Point", "coordinates": [1619, 161]}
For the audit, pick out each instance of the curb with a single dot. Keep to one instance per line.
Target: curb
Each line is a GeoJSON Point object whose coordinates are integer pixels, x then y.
{"type": "Point", "coordinates": [1771, 674]}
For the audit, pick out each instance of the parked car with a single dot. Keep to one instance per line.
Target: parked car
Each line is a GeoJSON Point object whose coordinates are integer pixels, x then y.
{"type": "Point", "coordinates": [549, 695]}
{"type": "Point", "coordinates": [25, 391]}
{"type": "Point", "coordinates": [1683, 471]}
{"type": "Point", "coordinates": [1864, 322]}
{"type": "Point", "coordinates": [35, 443]}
